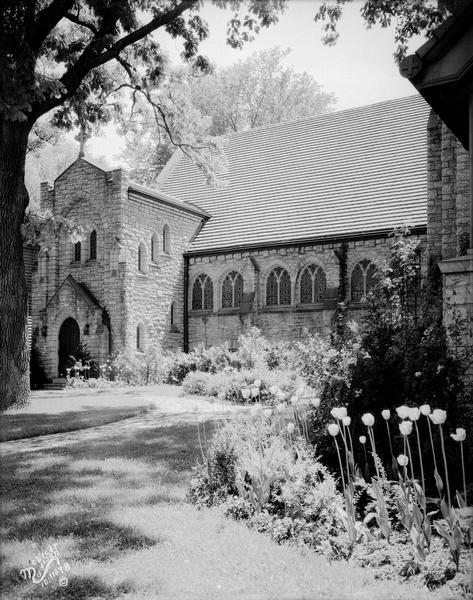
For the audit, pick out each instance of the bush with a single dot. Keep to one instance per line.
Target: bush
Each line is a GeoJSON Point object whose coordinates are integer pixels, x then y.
{"type": "Point", "coordinates": [131, 368]}
{"type": "Point", "coordinates": [228, 385]}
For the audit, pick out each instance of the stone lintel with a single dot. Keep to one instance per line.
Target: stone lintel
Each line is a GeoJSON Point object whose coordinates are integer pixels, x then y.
{"type": "Point", "coordinates": [460, 264]}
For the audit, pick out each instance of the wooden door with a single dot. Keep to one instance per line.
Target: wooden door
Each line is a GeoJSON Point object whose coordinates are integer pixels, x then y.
{"type": "Point", "coordinates": [69, 340]}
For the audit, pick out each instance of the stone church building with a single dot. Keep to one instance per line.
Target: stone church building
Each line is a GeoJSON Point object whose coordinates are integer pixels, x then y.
{"type": "Point", "coordinates": [303, 214]}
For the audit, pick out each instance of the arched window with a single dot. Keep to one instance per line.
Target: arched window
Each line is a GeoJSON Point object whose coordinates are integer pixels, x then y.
{"type": "Point", "coordinates": [154, 248]}
{"type": "Point", "coordinates": [77, 251]}
{"type": "Point", "coordinates": [203, 293]}
{"type": "Point", "coordinates": [93, 245]}
{"type": "Point", "coordinates": [166, 240]}
{"type": "Point", "coordinates": [232, 290]}
{"type": "Point", "coordinates": [141, 258]}
{"type": "Point", "coordinates": [171, 314]}
{"type": "Point", "coordinates": [278, 287]}
{"type": "Point", "coordinates": [363, 279]}
{"type": "Point", "coordinates": [140, 338]}
{"type": "Point", "coordinates": [312, 285]}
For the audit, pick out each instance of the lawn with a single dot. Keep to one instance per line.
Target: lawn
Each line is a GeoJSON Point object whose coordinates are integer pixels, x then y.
{"type": "Point", "coordinates": [115, 505]}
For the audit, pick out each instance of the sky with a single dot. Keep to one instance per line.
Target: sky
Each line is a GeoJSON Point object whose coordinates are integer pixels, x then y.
{"type": "Point", "coordinates": [359, 69]}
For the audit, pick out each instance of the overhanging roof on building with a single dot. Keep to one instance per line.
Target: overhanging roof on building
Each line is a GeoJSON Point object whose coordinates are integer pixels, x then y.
{"type": "Point", "coordinates": [342, 174]}
{"type": "Point", "coordinates": [442, 71]}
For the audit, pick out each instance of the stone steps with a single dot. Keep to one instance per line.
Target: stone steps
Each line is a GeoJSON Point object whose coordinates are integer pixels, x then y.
{"type": "Point", "coordinates": [58, 383]}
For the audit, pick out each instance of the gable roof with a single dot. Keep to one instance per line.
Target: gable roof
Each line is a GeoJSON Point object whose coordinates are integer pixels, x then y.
{"type": "Point", "coordinates": [355, 172]}
{"type": "Point", "coordinates": [80, 289]}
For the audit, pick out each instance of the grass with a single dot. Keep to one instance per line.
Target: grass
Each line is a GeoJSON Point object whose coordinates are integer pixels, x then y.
{"type": "Point", "coordinates": [115, 506]}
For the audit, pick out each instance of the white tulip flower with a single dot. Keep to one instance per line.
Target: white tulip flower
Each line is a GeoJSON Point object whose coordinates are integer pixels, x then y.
{"type": "Point", "coordinates": [386, 414]}
{"type": "Point", "coordinates": [403, 411]}
{"type": "Point", "coordinates": [425, 409]}
{"type": "Point", "coordinates": [300, 392]}
{"type": "Point", "coordinates": [362, 439]}
{"type": "Point", "coordinates": [333, 429]}
{"type": "Point", "coordinates": [315, 402]}
{"type": "Point", "coordinates": [402, 460]}
{"type": "Point", "coordinates": [273, 390]}
{"type": "Point", "coordinates": [267, 413]}
{"type": "Point", "coordinates": [294, 399]}
{"type": "Point", "coordinates": [257, 383]}
{"type": "Point", "coordinates": [414, 413]}
{"type": "Point", "coordinates": [290, 428]}
{"type": "Point", "coordinates": [254, 392]}
{"type": "Point", "coordinates": [438, 416]}
{"type": "Point", "coordinates": [339, 412]}
{"type": "Point", "coordinates": [460, 435]}
{"type": "Point", "coordinates": [245, 393]}
{"type": "Point", "coordinates": [368, 419]}
{"type": "Point", "coordinates": [405, 427]}
{"type": "Point", "coordinates": [346, 421]}
{"type": "Point", "coordinates": [280, 408]}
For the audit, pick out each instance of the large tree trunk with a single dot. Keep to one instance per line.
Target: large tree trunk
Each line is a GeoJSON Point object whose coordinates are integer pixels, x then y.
{"type": "Point", "coordinates": [14, 359]}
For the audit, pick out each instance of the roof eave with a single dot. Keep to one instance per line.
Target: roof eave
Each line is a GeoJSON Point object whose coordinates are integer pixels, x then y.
{"type": "Point", "coordinates": [169, 200]}
{"type": "Point", "coordinates": [328, 239]}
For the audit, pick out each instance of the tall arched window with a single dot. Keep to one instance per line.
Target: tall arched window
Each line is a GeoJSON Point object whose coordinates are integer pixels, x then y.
{"type": "Point", "coordinates": [154, 248]}
{"type": "Point", "coordinates": [141, 258]}
{"type": "Point", "coordinates": [203, 293]}
{"type": "Point", "coordinates": [232, 290]}
{"type": "Point", "coordinates": [140, 338]}
{"type": "Point", "coordinates": [171, 314]}
{"type": "Point", "coordinates": [313, 285]}
{"type": "Point", "coordinates": [363, 279]}
{"type": "Point", "coordinates": [93, 245]}
{"type": "Point", "coordinates": [166, 240]}
{"type": "Point", "coordinates": [278, 287]}
{"type": "Point", "coordinates": [77, 251]}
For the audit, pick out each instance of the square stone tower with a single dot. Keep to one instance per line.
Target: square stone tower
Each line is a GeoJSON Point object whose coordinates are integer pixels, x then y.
{"type": "Point", "coordinates": [119, 287]}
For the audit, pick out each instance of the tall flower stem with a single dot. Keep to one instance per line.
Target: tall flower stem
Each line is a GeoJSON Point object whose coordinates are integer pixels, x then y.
{"type": "Point", "coordinates": [445, 464]}
{"type": "Point", "coordinates": [351, 441]}
{"type": "Point", "coordinates": [373, 447]}
{"type": "Point", "coordinates": [389, 438]}
{"type": "Point", "coordinates": [340, 463]}
{"type": "Point", "coordinates": [463, 472]}
{"type": "Point", "coordinates": [410, 457]}
{"type": "Point", "coordinates": [343, 434]}
{"type": "Point", "coordinates": [420, 457]}
{"type": "Point", "coordinates": [432, 442]}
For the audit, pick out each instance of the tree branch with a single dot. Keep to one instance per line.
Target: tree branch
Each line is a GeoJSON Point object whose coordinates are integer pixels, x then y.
{"type": "Point", "coordinates": [45, 22]}
{"type": "Point", "coordinates": [93, 57]}
{"type": "Point", "coordinates": [75, 19]}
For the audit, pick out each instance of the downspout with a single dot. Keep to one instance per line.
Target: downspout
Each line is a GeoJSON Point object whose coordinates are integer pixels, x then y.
{"type": "Point", "coordinates": [470, 148]}
{"type": "Point", "coordinates": [186, 304]}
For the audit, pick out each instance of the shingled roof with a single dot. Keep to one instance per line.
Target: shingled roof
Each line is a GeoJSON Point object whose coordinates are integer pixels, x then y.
{"type": "Point", "coordinates": [361, 171]}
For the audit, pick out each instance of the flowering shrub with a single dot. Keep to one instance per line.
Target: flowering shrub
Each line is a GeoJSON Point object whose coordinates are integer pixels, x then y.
{"type": "Point", "coordinates": [273, 385]}
{"type": "Point", "coordinates": [131, 368]}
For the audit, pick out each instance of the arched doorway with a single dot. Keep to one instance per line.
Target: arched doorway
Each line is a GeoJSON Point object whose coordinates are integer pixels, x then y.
{"type": "Point", "coordinates": [69, 339]}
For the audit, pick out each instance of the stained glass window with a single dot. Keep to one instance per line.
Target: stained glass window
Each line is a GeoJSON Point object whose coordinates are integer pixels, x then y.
{"type": "Point", "coordinates": [232, 290]}
{"type": "Point", "coordinates": [203, 293]}
{"type": "Point", "coordinates": [312, 285]}
{"type": "Point", "coordinates": [278, 287]}
{"type": "Point", "coordinates": [77, 251]}
{"type": "Point", "coordinates": [363, 279]}
{"type": "Point", "coordinates": [208, 294]}
{"type": "Point", "coordinates": [197, 294]}
{"type": "Point", "coordinates": [93, 245]}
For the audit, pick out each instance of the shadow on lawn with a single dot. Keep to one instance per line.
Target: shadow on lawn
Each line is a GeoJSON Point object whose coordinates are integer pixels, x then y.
{"type": "Point", "coordinates": [70, 493]}
{"type": "Point", "coordinates": [20, 426]}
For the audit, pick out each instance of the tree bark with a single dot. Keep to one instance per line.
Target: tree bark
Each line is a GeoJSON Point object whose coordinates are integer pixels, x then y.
{"type": "Point", "coordinates": [14, 359]}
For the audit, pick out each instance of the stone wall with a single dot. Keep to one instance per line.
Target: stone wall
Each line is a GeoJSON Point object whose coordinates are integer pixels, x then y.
{"type": "Point", "coordinates": [276, 323]}
{"type": "Point", "coordinates": [150, 293]}
{"type": "Point", "coordinates": [448, 189]}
